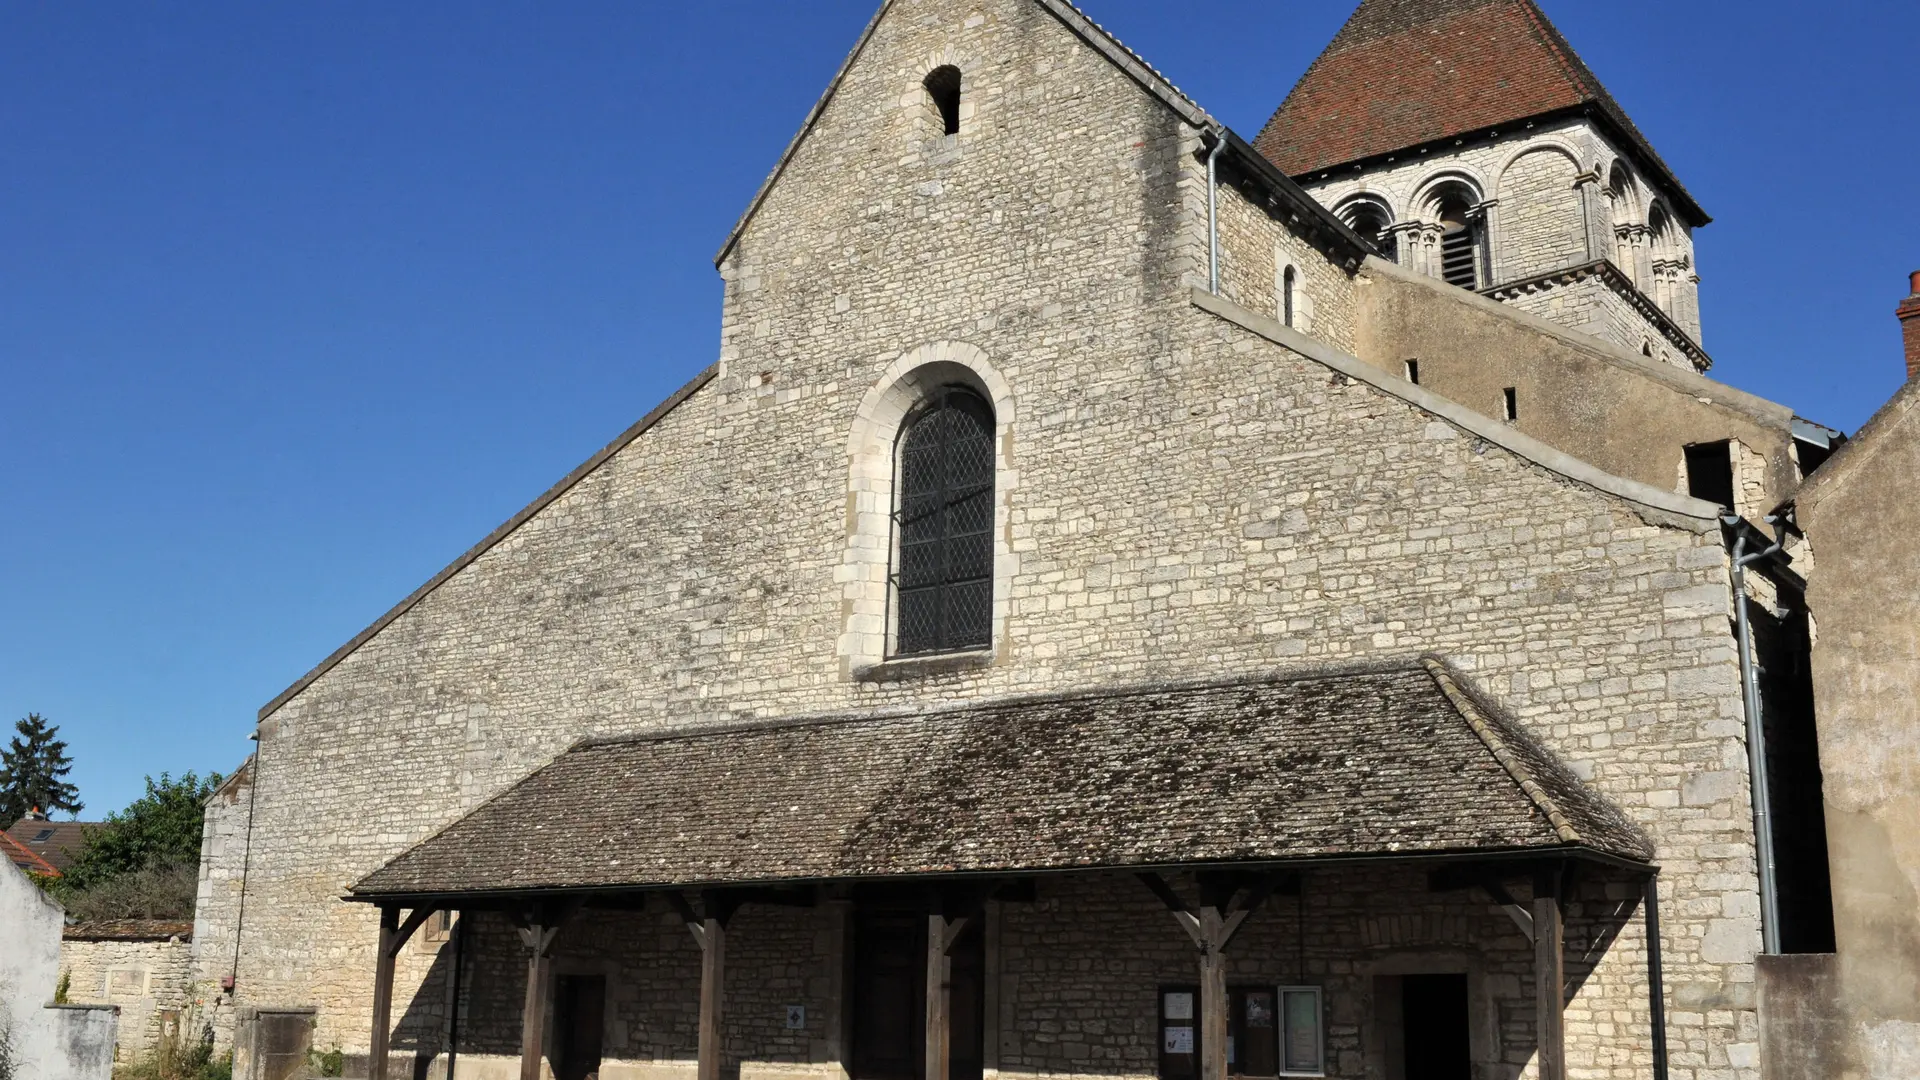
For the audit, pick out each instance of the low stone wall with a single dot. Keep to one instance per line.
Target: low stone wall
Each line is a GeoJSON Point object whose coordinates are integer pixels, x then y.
{"type": "Point", "coordinates": [144, 968]}
{"type": "Point", "coordinates": [82, 1045]}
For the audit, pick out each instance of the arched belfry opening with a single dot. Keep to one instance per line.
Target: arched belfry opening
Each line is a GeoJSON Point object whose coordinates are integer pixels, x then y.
{"type": "Point", "coordinates": [943, 90]}
{"type": "Point", "coordinates": [1373, 222]}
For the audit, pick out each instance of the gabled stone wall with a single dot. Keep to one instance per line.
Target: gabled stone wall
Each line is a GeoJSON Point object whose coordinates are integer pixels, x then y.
{"type": "Point", "coordinates": [1192, 500]}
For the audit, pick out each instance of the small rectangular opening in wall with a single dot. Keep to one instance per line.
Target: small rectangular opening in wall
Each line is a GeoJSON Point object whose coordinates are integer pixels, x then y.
{"type": "Point", "coordinates": [1509, 405]}
{"type": "Point", "coordinates": [1810, 456]}
{"type": "Point", "coordinates": [1413, 372]}
{"type": "Point", "coordinates": [1710, 472]}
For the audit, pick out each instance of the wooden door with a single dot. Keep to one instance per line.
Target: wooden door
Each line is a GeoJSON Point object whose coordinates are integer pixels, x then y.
{"type": "Point", "coordinates": [889, 995]}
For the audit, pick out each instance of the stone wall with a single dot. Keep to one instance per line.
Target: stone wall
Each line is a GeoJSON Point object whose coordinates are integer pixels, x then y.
{"type": "Point", "coordinates": [41, 1039]}
{"type": "Point", "coordinates": [219, 900]}
{"type": "Point", "coordinates": [142, 978]}
{"type": "Point", "coordinates": [1541, 219]}
{"type": "Point", "coordinates": [1859, 513]}
{"type": "Point", "coordinates": [1256, 247]}
{"type": "Point", "coordinates": [1192, 501]}
{"type": "Point", "coordinates": [1604, 405]}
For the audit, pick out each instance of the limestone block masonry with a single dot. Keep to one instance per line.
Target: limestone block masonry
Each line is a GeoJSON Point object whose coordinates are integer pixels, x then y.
{"type": "Point", "coordinates": [143, 978]}
{"type": "Point", "coordinates": [1193, 500]}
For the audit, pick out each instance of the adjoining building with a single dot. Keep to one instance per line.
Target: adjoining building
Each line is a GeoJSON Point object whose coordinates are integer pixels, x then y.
{"type": "Point", "coordinates": [1108, 610]}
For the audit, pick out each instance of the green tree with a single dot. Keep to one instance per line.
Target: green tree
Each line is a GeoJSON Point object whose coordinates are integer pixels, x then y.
{"type": "Point", "coordinates": [32, 768]}
{"type": "Point", "coordinates": [157, 831]}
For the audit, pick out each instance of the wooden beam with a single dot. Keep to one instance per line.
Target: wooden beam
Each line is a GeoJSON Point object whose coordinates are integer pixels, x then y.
{"type": "Point", "coordinates": [384, 954]}
{"type": "Point", "coordinates": [1549, 976]}
{"type": "Point", "coordinates": [537, 935]}
{"type": "Point", "coordinates": [415, 920]}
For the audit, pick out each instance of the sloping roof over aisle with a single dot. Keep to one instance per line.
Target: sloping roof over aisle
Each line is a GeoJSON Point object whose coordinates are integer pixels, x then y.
{"type": "Point", "coordinates": [1380, 762]}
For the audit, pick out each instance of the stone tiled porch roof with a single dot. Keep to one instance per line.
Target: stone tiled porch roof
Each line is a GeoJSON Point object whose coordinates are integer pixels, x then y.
{"type": "Point", "coordinates": [1395, 761]}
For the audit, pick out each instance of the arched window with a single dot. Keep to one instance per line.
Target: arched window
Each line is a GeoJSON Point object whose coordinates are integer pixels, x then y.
{"type": "Point", "coordinates": [1287, 282]}
{"type": "Point", "coordinates": [943, 88]}
{"type": "Point", "coordinates": [943, 516]}
{"type": "Point", "coordinates": [1459, 242]}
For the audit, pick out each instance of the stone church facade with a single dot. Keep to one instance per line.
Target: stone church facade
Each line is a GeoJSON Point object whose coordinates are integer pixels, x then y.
{"type": "Point", "coordinates": [719, 760]}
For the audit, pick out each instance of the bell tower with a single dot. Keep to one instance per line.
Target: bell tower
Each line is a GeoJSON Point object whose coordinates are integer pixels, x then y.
{"type": "Point", "coordinates": [1467, 140]}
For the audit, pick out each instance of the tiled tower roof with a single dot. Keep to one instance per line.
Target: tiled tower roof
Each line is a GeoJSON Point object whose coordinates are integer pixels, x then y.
{"type": "Point", "coordinates": [1402, 73]}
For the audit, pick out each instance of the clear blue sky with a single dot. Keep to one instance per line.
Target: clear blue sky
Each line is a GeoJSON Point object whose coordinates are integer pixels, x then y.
{"type": "Point", "coordinates": [299, 301]}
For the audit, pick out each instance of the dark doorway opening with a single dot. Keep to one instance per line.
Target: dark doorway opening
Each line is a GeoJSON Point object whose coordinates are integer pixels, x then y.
{"type": "Point", "coordinates": [889, 995]}
{"type": "Point", "coordinates": [967, 1009]}
{"type": "Point", "coordinates": [579, 1019]}
{"type": "Point", "coordinates": [1433, 1011]}
{"type": "Point", "coordinates": [1783, 653]}
{"type": "Point", "coordinates": [889, 998]}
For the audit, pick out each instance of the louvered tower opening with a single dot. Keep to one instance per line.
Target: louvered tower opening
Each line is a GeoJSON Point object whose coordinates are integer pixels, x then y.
{"type": "Point", "coordinates": [1459, 247]}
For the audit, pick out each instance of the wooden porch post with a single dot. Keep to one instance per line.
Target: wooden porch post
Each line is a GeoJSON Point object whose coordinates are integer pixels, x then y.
{"type": "Point", "coordinates": [383, 992]}
{"type": "Point", "coordinates": [1213, 996]}
{"type": "Point", "coordinates": [709, 929]}
{"type": "Point", "coordinates": [538, 936]}
{"type": "Point", "coordinates": [393, 935]}
{"type": "Point", "coordinates": [942, 933]}
{"type": "Point", "coordinates": [713, 975]}
{"type": "Point", "coordinates": [1549, 975]}
{"type": "Point", "coordinates": [1212, 927]}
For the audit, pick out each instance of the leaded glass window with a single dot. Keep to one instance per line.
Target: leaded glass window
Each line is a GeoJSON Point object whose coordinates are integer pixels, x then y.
{"type": "Point", "coordinates": [943, 573]}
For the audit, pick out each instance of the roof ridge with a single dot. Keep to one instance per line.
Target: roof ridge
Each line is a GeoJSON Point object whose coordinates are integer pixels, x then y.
{"type": "Point", "coordinates": [1497, 744]}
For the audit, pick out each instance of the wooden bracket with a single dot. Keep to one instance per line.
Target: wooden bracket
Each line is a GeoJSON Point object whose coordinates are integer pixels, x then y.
{"type": "Point", "coordinates": [538, 938]}
{"type": "Point", "coordinates": [401, 934]}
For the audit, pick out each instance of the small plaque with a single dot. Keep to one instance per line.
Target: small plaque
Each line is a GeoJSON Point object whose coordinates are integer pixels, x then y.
{"type": "Point", "coordinates": [1179, 1040]}
{"type": "Point", "coordinates": [796, 1017]}
{"type": "Point", "coordinates": [1180, 1007]}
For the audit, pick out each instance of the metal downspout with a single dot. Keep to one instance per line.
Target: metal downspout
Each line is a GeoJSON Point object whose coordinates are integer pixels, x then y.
{"type": "Point", "coordinates": [1756, 733]}
{"type": "Point", "coordinates": [1213, 213]}
{"type": "Point", "coordinates": [1656, 988]}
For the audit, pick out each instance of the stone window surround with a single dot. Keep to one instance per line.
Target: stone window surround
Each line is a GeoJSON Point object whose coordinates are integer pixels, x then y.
{"type": "Point", "coordinates": [1284, 260]}
{"type": "Point", "coordinates": [866, 603]}
{"type": "Point", "coordinates": [926, 128]}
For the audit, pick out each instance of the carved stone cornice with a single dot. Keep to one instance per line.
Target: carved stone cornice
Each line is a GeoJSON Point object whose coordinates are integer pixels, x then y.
{"type": "Point", "coordinates": [1611, 276]}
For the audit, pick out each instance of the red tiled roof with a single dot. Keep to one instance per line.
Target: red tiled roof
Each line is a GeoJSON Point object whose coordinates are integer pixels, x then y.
{"type": "Point", "coordinates": [1402, 73]}
{"type": "Point", "coordinates": [24, 858]}
{"type": "Point", "coordinates": [54, 843]}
